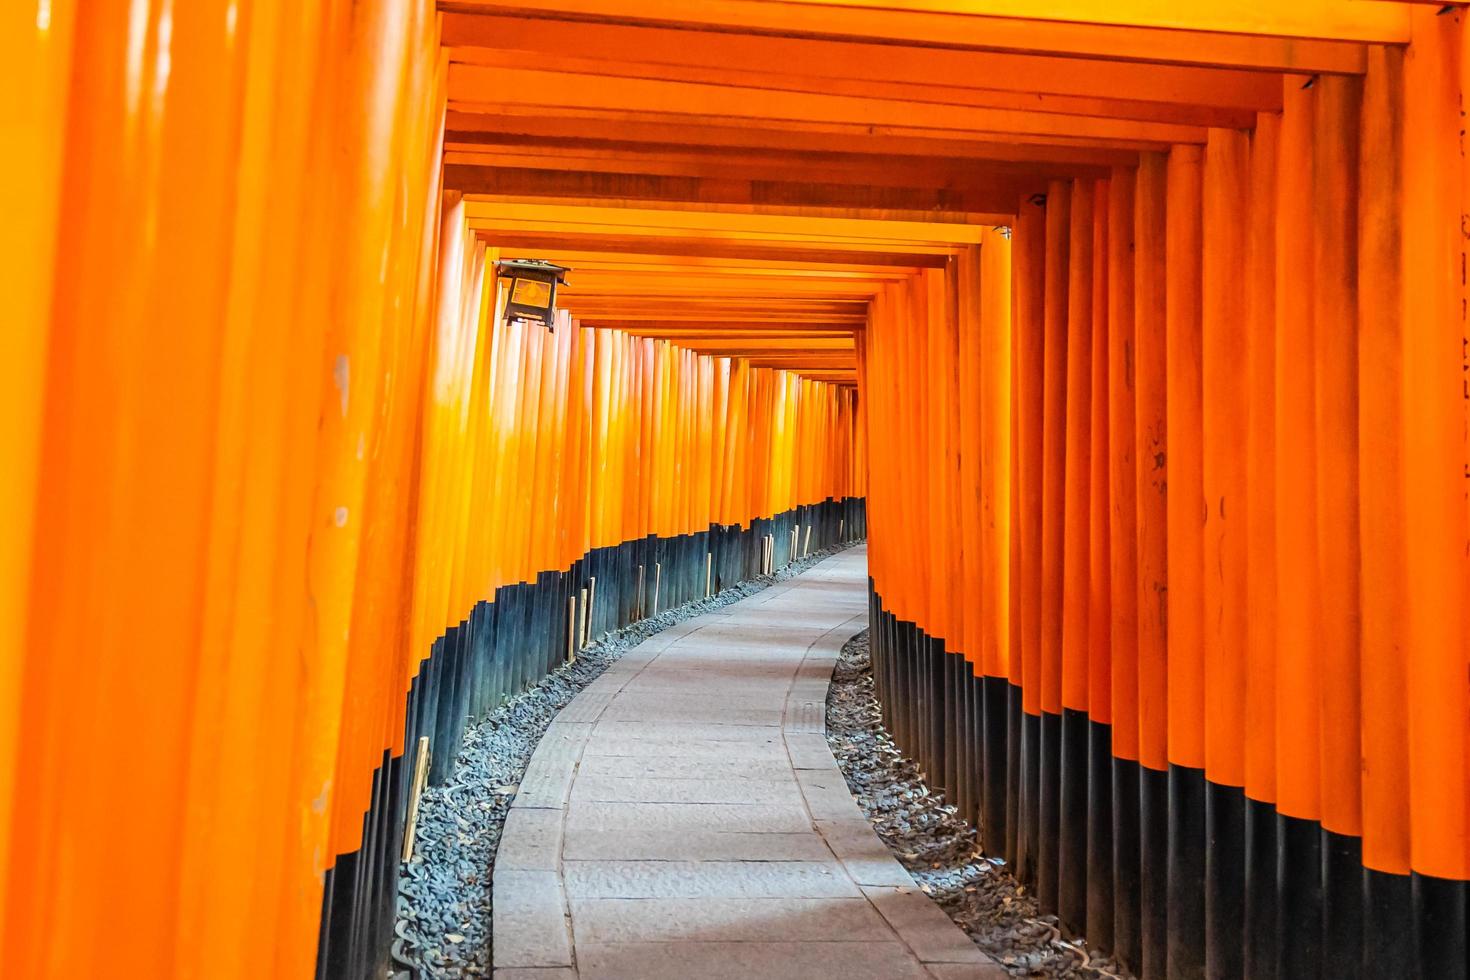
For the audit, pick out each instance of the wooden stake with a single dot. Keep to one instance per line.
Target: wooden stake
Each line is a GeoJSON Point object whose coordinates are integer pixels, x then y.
{"type": "Point", "coordinates": [420, 774]}
{"type": "Point", "coordinates": [841, 524]}
{"type": "Point", "coordinates": [571, 628]}
{"type": "Point", "coordinates": [709, 561]}
{"type": "Point", "coordinates": [638, 606]}
{"type": "Point", "coordinates": [582, 636]}
{"type": "Point", "coordinates": [658, 574]}
{"type": "Point", "coordinates": [807, 548]}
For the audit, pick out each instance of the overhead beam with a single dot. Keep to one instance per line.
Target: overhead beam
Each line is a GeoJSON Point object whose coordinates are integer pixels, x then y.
{"type": "Point", "coordinates": [869, 234]}
{"type": "Point", "coordinates": [511, 125]}
{"type": "Point", "coordinates": [665, 265]}
{"type": "Point", "coordinates": [995, 199]}
{"type": "Point", "coordinates": [928, 92]}
{"type": "Point", "coordinates": [732, 328]}
{"type": "Point", "coordinates": [722, 163]}
{"type": "Point", "coordinates": [747, 349]}
{"type": "Point", "coordinates": [676, 248]}
{"type": "Point", "coordinates": [1275, 50]}
{"type": "Point", "coordinates": [615, 286]}
{"type": "Point", "coordinates": [593, 310]}
{"type": "Point", "coordinates": [471, 38]}
{"type": "Point", "coordinates": [752, 338]}
{"type": "Point", "coordinates": [613, 317]}
{"type": "Point", "coordinates": [473, 84]}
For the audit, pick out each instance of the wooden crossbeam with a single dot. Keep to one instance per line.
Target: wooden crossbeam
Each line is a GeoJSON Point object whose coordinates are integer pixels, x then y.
{"type": "Point", "coordinates": [473, 38]}
{"type": "Point", "coordinates": [515, 125]}
{"type": "Point", "coordinates": [1299, 36]}
{"type": "Point", "coordinates": [470, 85]}
{"type": "Point", "coordinates": [934, 90]}
{"type": "Point", "coordinates": [537, 242]}
{"type": "Point", "coordinates": [999, 197]}
{"type": "Point", "coordinates": [836, 166]}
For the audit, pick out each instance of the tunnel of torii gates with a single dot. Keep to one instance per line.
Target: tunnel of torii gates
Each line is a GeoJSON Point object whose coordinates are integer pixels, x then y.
{"type": "Point", "coordinates": [1131, 335]}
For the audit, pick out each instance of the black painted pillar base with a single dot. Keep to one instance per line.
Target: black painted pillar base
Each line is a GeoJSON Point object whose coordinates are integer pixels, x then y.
{"type": "Point", "coordinates": [1073, 819]}
{"type": "Point", "coordinates": [1261, 945]}
{"type": "Point", "coordinates": [1224, 881]}
{"type": "Point", "coordinates": [1342, 906]}
{"type": "Point", "coordinates": [1127, 865]}
{"type": "Point", "coordinates": [1153, 847]}
{"type": "Point", "coordinates": [1299, 897]}
{"type": "Point", "coordinates": [1186, 873]}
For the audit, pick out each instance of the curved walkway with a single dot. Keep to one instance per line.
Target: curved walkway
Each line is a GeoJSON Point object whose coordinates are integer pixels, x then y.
{"type": "Point", "coordinates": [683, 819]}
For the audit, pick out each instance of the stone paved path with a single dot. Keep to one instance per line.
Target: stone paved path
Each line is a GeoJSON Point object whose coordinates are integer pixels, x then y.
{"type": "Point", "coordinates": [683, 819]}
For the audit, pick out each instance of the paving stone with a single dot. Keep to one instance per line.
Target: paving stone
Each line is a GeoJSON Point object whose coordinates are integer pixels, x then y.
{"type": "Point", "coordinates": [924, 926]}
{"type": "Point", "coordinates": [967, 971]}
{"type": "Point", "coordinates": [707, 879]}
{"type": "Point", "coordinates": [530, 920]}
{"type": "Point", "coordinates": [747, 961]}
{"type": "Point", "coordinates": [699, 845]}
{"type": "Point", "coordinates": [809, 751]}
{"type": "Point", "coordinates": [675, 747]}
{"type": "Point", "coordinates": [546, 784]}
{"type": "Point", "coordinates": [749, 681]}
{"type": "Point", "coordinates": [531, 840]}
{"type": "Point", "coordinates": [750, 665]}
{"type": "Point", "coordinates": [867, 859]}
{"type": "Point", "coordinates": [641, 704]}
{"type": "Point", "coordinates": [625, 920]}
{"type": "Point", "coordinates": [676, 729]}
{"type": "Point", "coordinates": [561, 732]}
{"type": "Point", "coordinates": [675, 768]}
{"type": "Point", "coordinates": [675, 818]}
{"type": "Point", "coordinates": [809, 689]}
{"type": "Point", "coordinates": [537, 973]}
{"type": "Point", "coordinates": [805, 717]}
{"type": "Point", "coordinates": [693, 711]}
{"type": "Point", "coordinates": [646, 789]}
{"type": "Point", "coordinates": [589, 705]}
{"type": "Point", "coordinates": [827, 796]}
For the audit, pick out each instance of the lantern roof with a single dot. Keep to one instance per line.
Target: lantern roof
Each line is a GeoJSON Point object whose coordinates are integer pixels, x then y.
{"type": "Point", "coordinates": [534, 266]}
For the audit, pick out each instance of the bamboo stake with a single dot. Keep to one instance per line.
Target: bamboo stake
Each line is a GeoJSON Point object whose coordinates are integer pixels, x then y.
{"type": "Point", "coordinates": [420, 774]}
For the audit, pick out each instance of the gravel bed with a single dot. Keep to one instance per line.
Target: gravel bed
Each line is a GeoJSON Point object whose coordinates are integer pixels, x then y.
{"type": "Point", "coordinates": [937, 846]}
{"type": "Point", "coordinates": [443, 927]}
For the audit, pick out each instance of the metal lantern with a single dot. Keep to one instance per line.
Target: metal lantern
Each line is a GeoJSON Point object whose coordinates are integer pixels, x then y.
{"type": "Point", "coordinates": [532, 289]}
